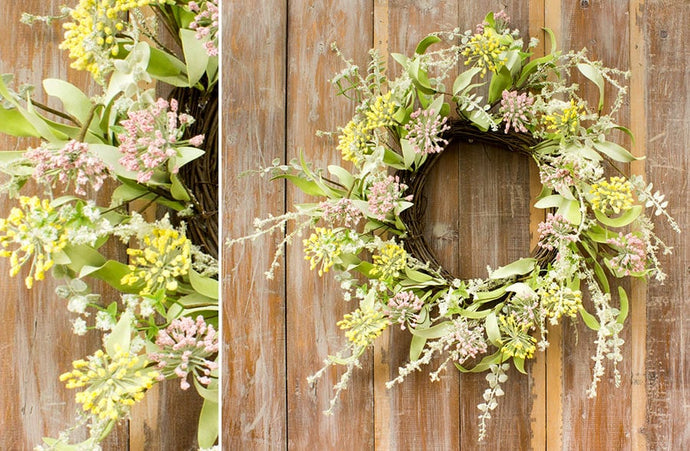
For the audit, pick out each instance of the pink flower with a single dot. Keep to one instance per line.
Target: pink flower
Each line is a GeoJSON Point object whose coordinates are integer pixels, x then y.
{"type": "Point", "coordinates": [555, 232]}
{"type": "Point", "coordinates": [185, 345]}
{"type": "Point", "coordinates": [384, 195]}
{"type": "Point", "coordinates": [343, 211]}
{"type": "Point", "coordinates": [150, 137]}
{"type": "Point", "coordinates": [425, 131]}
{"type": "Point", "coordinates": [74, 162]}
{"type": "Point", "coordinates": [205, 23]}
{"type": "Point", "coordinates": [404, 306]}
{"type": "Point", "coordinates": [632, 254]}
{"type": "Point", "coordinates": [516, 110]}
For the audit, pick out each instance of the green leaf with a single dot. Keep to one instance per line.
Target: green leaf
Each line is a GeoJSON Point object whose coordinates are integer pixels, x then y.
{"type": "Point", "coordinates": [425, 43]}
{"type": "Point", "coordinates": [621, 221]}
{"type": "Point", "coordinates": [484, 364]}
{"type": "Point", "coordinates": [492, 330]}
{"type": "Point", "coordinates": [519, 364]}
{"type": "Point", "coordinates": [195, 55]}
{"type": "Point", "coordinates": [481, 119]}
{"type": "Point", "coordinates": [484, 296]}
{"type": "Point", "coordinates": [309, 187]}
{"type": "Point", "coordinates": [400, 59]}
{"type": "Point", "coordinates": [595, 76]}
{"type": "Point", "coordinates": [196, 300]}
{"type": "Point", "coordinates": [499, 82]}
{"type": "Point", "coordinates": [110, 272]}
{"type": "Point", "coordinates": [516, 268]}
{"type": "Point", "coordinates": [614, 151]}
{"type": "Point", "coordinates": [552, 201]}
{"type": "Point", "coordinates": [13, 122]}
{"type": "Point", "coordinates": [119, 336]}
{"type": "Point", "coordinates": [464, 79]}
{"type": "Point", "coordinates": [416, 347]}
{"type": "Point", "coordinates": [570, 210]}
{"type": "Point", "coordinates": [589, 319]}
{"type": "Point", "coordinates": [203, 285]}
{"type": "Point", "coordinates": [437, 331]}
{"type": "Point", "coordinates": [72, 98]}
{"type": "Point", "coordinates": [409, 154]}
{"type": "Point", "coordinates": [603, 280]}
{"type": "Point", "coordinates": [344, 177]}
{"type": "Point", "coordinates": [177, 189]}
{"type": "Point", "coordinates": [207, 432]}
{"type": "Point", "coordinates": [624, 305]}
{"type": "Point", "coordinates": [111, 156]}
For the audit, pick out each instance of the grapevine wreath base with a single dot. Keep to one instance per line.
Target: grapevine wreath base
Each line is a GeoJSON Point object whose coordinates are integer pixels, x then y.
{"type": "Point", "coordinates": [365, 222]}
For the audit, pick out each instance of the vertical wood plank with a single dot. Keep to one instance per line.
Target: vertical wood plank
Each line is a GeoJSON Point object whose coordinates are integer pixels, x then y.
{"type": "Point", "coordinates": [314, 305]}
{"type": "Point", "coordinates": [37, 340]}
{"type": "Point", "coordinates": [667, 165]}
{"type": "Point", "coordinates": [603, 422]}
{"type": "Point", "coordinates": [253, 84]}
{"type": "Point", "coordinates": [418, 413]}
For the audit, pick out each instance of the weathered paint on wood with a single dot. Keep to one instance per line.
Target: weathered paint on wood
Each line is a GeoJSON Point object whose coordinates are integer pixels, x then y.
{"type": "Point", "coordinates": [547, 409]}
{"type": "Point", "coordinates": [37, 341]}
{"type": "Point", "coordinates": [254, 85]}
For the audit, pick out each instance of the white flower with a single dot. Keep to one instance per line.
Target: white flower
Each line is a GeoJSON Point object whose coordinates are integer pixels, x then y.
{"type": "Point", "coordinates": [146, 307]}
{"type": "Point", "coordinates": [104, 321]}
{"type": "Point", "coordinates": [77, 304]}
{"type": "Point", "coordinates": [79, 326]}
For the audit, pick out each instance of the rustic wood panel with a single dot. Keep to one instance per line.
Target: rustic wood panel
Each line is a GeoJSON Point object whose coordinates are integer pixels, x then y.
{"type": "Point", "coordinates": [253, 308]}
{"type": "Point", "coordinates": [668, 139]}
{"type": "Point", "coordinates": [314, 305]}
{"type": "Point", "coordinates": [601, 27]}
{"type": "Point", "coordinates": [37, 341]}
{"type": "Point", "coordinates": [547, 409]}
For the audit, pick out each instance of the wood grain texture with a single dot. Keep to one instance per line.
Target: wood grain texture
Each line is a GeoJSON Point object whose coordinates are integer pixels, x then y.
{"type": "Point", "coordinates": [314, 304]}
{"type": "Point", "coordinates": [668, 139]}
{"type": "Point", "coordinates": [254, 84]}
{"type": "Point", "coordinates": [38, 342]}
{"type": "Point", "coordinates": [603, 422]}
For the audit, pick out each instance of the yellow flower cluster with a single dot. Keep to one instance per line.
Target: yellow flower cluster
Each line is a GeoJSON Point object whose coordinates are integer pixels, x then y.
{"type": "Point", "coordinates": [380, 113]}
{"type": "Point", "coordinates": [566, 123]}
{"type": "Point", "coordinates": [612, 196]}
{"type": "Point", "coordinates": [363, 326]}
{"type": "Point", "coordinates": [389, 261]}
{"type": "Point", "coordinates": [164, 258]}
{"type": "Point", "coordinates": [352, 143]}
{"type": "Point", "coordinates": [322, 247]}
{"type": "Point", "coordinates": [559, 301]}
{"type": "Point", "coordinates": [485, 50]}
{"type": "Point", "coordinates": [518, 343]}
{"type": "Point", "coordinates": [91, 35]}
{"type": "Point", "coordinates": [353, 140]}
{"type": "Point", "coordinates": [38, 229]}
{"type": "Point", "coordinates": [113, 384]}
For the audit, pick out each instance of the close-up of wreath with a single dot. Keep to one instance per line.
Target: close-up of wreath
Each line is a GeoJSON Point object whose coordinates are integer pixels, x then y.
{"type": "Point", "coordinates": [365, 224]}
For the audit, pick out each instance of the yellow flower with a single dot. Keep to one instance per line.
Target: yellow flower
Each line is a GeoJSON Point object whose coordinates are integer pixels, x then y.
{"type": "Point", "coordinates": [566, 123]}
{"type": "Point", "coordinates": [486, 51]}
{"type": "Point", "coordinates": [612, 196]}
{"type": "Point", "coordinates": [352, 143]}
{"type": "Point", "coordinates": [322, 247]}
{"type": "Point", "coordinates": [517, 342]}
{"type": "Point", "coordinates": [113, 383]}
{"type": "Point", "coordinates": [39, 231]}
{"type": "Point", "coordinates": [380, 113]}
{"type": "Point", "coordinates": [558, 301]}
{"type": "Point", "coordinates": [363, 326]}
{"type": "Point", "coordinates": [390, 260]}
{"type": "Point", "coordinates": [164, 258]}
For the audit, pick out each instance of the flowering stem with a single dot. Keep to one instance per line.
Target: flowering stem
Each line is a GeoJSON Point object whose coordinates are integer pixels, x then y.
{"type": "Point", "coordinates": [48, 109]}
{"type": "Point", "coordinates": [87, 122]}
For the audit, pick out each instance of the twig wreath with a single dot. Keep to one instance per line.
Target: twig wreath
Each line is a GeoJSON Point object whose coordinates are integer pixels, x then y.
{"type": "Point", "coordinates": [366, 225]}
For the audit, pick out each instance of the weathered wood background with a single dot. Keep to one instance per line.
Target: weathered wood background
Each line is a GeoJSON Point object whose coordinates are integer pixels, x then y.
{"type": "Point", "coordinates": [277, 63]}
{"type": "Point", "coordinates": [36, 341]}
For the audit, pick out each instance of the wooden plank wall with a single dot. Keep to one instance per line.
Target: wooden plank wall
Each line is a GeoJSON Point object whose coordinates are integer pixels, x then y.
{"type": "Point", "coordinates": [277, 64]}
{"type": "Point", "coordinates": [36, 338]}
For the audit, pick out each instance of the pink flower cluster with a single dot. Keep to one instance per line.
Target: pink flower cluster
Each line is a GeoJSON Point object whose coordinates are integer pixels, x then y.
{"type": "Point", "coordinates": [206, 23]}
{"type": "Point", "coordinates": [150, 137]}
{"type": "Point", "coordinates": [501, 19]}
{"type": "Point", "coordinates": [558, 178]}
{"type": "Point", "coordinates": [404, 306]}
{"type": "Point", "coordinates": [185, 345]}
{"type": "Point", "coordinates": [72, 162]}
{"type": "Point", "coordinates": [555, 231]}
{"type": "Point", "coordinates": [425, 130]}
{"type": "Point", "coordinates": [384, 194]}
{"type": "Point", "coordinates": [469, 341]}
{"type": "Point", "coordinates": [632, 254]}
{"type": "Point", "coordinates": [516, 110]}
{"type": "Point", "coordinates": [344, 211]}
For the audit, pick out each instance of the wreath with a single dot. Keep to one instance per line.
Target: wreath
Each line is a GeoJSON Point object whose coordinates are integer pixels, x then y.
{"type": "Point", "coordinates": [366, 226]}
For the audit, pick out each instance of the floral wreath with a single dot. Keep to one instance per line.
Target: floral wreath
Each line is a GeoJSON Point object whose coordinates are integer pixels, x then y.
{"type": "Point", "coordinates": [365, 226]}
{"type": "Point", "coordinates": [163, 325]}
